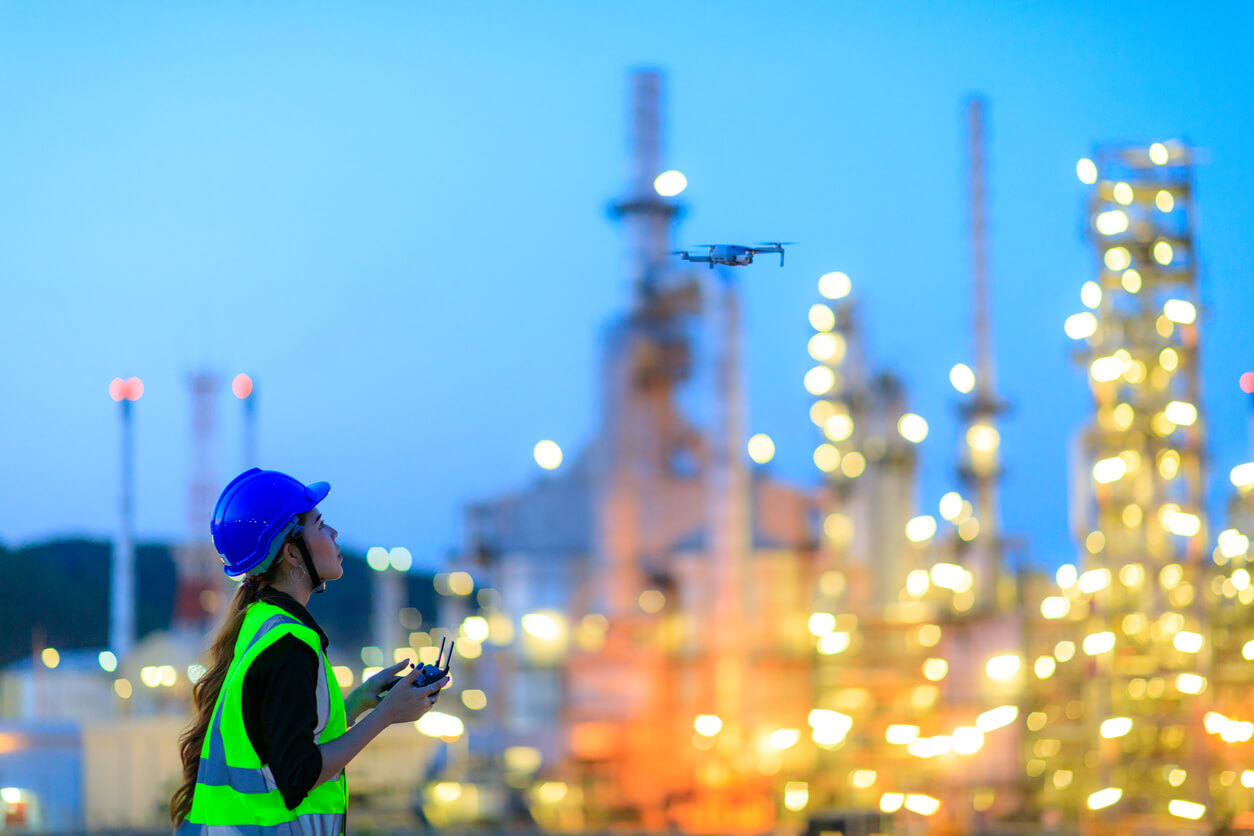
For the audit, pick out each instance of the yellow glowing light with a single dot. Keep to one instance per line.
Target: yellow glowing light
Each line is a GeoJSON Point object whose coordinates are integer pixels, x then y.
{"type": "Point", "coordinates": [796, 795]}
{"type": "Point", "coordinates": [1106, 369]}
{"type": "Point", "coordinates": [853, 464]}
{"type": "Point", "coordinates": [996, 718]}
{"type": "Point", "coordinates": [924, 805]}
{"type": "Point", "coordinates": [820, 380]}
{"type": "Point", "coordinates": [1066, 575]}
{"type": "Point", "coordinates": [890, 802]}
{"type": "Point", "coordinates": [1232, 543]}
{"type": "Point", "coordinates": [913, 428]}
{"type": "Point", "coordinates": [1182, 524]}
{"type": "Point", "coordinates": [1186, 809]}
{"type": "Point", "coordinates": [439, 724]}
{"type": "Point", "coordinates": [1118, 258]}
{"type": "Point", "coordinates": [822, 623]}
{"type": "Point", "coordinates": [931, 747]}
{"type": "Point", "coordinates": [1110, 223]}
{"type": "Point", "coordinates": [461, 583]}
{"type": "Point", "coordinates": [670, 183]}
{"type": "Point", "coordinates": [826, 458]}
{"type": "Point", "coordinates": [150, 675]}
{"type": "Point", "coordinates": [935, 669]}
{"type": "Point", "coordinates": [1164, 201]}
{"type": "Point", "coordinates": [822, 318]}
{"type": "Point", "coordinates": [833, 643]}
{"type": "Point", "coordinates": [1162, 252]}
{"type": "Point", "coordinates": [1158, 154]}
{"type": "Point", "coordinates": [1181, 412]}
{"type": "Point", "coordinates": [1055, 606]}
{"type": "Point", "coordinates": [1132, 574]}
{"type": "Point", "coordinates": [1123, 193]}
{"type": "Point", "coordinates": [1104, 798]}
{"type": "Point", "coordinates": [1178, 310]}
{"type": "Point", "coordinates": [962, 378]}
{"type": "Point", "coordinates": [474, 699]}
{"type": "Point", "coordinates": [920, 529]}
{"type": "Point", "coordinates": [1242, 475]}
{"type": "Point", "coordinates": [951, 505]}
{"type": "Point", "coordinates": [1095, 643]}
{"type": "Point", "coordinates": [1109, 470]}
{"type": "Point", "coordinates": [1190, 683]}
{"type": "Point", "coordinates": [708, 725]}
{"type": "Point", "coordinates": [830, 727]}
{"type": "Point", "coordinates": [929, 635]}
{"type": "Point", "coordinates": [784, 738]}
{"type": "Point", "coordinates": [838, 427]}
{"type": "Point", "coordinates": [761, 448]}
{"type": "Point", "coordinates": [1044, 667]}
{"type": "Point", "coordinates": [948, 576]}
{"type": "Point", "coordinates": [820, 411]}
{"type": "Point", "coordinates": [901, 734]}
{"type": "Point", "coordinates": [835, 285]}
{"type": "Point", "coordinates": [1094, 580]}
{"type": "Point", "coordinates": [1081, 325]}
{"type": "Point", "coordinates": [1086, 170]}
{"type": "Point", "coordinates": [1123, 415]}
{"type": "Point", "coordinates": [541, 625]}
{"type": "Point", "coordinates": [1091, 293]}
{"type": "Point", "coordinates": [50, 657]}
{"type": "Point", "coordinates": [1131, 281]}
{"type": "Point", "coordinates": [343, 676]}
{"type": "Point", "coordinates": [377, 558]}
{"type": "Point", "coordinates": [827, 347]}
{"type": "Point", "coordinates": [983, 438]}
{"type": "Point", "coordinates": [475, 628]}
{"type": "Point", "coordinates": [551, 792]}
{"type": "Point", "coordinates": [1187, 642]}
{"type": "Point", "coordinates": [122, 688]}
{"type": "Point", "coordinates": [917, 583]}
{"type": "Point", "coordinates": [1004, 666]}
{"type": "Point", "coordinates": [548, 455]}
{"type": "Point", "coordinates": [1116, 727]}
{"type": "Point", "coordinates": [863, 778]}
{"type": "Point", "coordinates": [651, 601]}
{"type": "Point", "coordinates": [968, 740]}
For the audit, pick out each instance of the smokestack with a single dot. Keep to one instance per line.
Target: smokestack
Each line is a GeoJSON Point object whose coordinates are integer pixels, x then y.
{"type": "Point", "coordinates": [243, 388]}
{"type": "Point", "coordinates": [122, 582]}
{"type": "Point", "coordinates": [199, 588]}
{"type": "Point", "coordinates": [647, 214]}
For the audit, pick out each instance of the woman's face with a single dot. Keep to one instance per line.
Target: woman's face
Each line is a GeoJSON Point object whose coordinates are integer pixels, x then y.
{"type": "Point", "coordinates": [320, 538]}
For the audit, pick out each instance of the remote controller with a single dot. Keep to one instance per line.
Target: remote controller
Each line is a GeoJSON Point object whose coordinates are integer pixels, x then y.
{"type": "Point", "coordinates": [430, 673]}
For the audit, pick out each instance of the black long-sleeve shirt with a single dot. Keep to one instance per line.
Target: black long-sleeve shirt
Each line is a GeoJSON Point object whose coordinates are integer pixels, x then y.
{"type": "Point", "coordinates": [280, 705]}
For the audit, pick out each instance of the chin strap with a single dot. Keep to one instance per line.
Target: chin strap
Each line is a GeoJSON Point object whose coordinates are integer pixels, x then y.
{"type": "Point", "coordinates": [298, 538]}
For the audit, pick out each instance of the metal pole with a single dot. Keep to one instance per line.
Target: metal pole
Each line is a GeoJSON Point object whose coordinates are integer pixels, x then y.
{"type": "Point", "coordinates": [122, 589]}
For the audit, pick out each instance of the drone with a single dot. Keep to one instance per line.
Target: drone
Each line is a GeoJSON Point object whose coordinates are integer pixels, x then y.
{"type": "Point", "coordinates": [733, 255]}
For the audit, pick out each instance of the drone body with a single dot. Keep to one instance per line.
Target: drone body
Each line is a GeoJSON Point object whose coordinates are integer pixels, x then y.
{"type": "Point", "coordinates": [733, 255]}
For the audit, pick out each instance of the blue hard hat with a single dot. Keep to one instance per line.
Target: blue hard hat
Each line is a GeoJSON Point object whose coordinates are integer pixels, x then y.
{"type": "Point", "coordinates": [253, 511]}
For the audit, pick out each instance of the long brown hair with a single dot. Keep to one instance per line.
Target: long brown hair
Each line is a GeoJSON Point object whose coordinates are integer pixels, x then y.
{"type": "Point", "coordinates": [206, 690]}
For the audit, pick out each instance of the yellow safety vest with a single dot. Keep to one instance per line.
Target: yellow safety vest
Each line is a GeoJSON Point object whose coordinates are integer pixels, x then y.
{"type": "Point", "coordinates": [235, 793]}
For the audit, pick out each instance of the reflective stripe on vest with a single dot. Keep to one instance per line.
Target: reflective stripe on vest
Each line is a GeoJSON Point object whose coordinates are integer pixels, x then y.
{"type": "Point", "coordinates": [235, 793]}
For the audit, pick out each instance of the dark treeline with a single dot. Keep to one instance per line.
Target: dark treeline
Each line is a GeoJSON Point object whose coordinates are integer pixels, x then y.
{"type": "Point", "coordinates": [58, 592]}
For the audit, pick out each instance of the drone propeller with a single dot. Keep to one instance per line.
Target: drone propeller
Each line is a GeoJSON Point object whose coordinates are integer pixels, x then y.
{"type": "Point", "coordinates": [776, 243]}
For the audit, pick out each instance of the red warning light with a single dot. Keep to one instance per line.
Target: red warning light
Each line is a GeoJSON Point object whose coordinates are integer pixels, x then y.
{"type": "Point", "coordinates": [134, 389]}
{"type": "Point", "coordinates": [1247, 383]}
{"type": "Point", "coordinates": [242, 386]}
{"type": "Point", "coordinates": [117, 388]}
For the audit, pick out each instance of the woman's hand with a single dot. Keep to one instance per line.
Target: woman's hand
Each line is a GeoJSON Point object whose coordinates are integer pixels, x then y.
{"type": "Point", "coordinates": [368, 694]}
{"type": "Point", "coordinates": [406, 703]}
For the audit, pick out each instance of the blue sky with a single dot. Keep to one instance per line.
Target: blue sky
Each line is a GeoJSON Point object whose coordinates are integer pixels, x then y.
{"type": "Point", "coordinates": [392, 216]}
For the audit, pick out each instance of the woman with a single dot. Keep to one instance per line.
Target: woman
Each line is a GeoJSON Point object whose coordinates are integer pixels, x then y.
{"type": "Point", "coordinates": [271, 734]}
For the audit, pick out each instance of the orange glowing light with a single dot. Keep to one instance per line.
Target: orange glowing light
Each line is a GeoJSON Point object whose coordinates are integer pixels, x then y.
{"type": "Point", "coordinates": [131, 389]}
{"type": "Point", "coordinates": [242, 386]}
